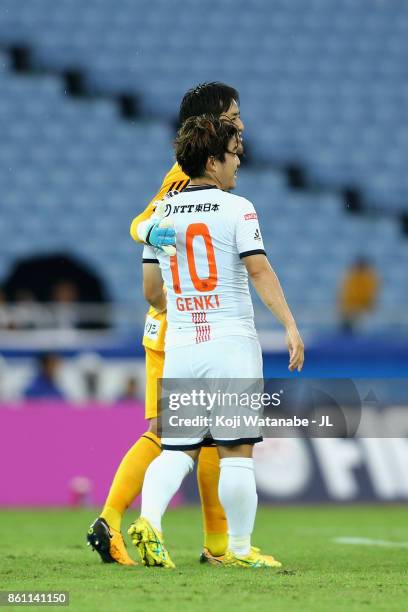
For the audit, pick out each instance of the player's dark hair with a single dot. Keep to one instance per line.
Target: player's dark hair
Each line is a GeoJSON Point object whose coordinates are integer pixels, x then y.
{"type": "Point", "coordinates": [207, 98]}
{"type": "Point", "coordinates": [200, 138]}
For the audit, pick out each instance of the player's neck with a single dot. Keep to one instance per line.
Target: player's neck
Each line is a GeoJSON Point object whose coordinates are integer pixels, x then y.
{"type": "Point", "coordinates": [203, 182]}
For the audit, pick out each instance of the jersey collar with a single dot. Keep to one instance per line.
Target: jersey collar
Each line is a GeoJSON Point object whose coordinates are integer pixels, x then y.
{"type": "Point", "coordinates": [199, 187]}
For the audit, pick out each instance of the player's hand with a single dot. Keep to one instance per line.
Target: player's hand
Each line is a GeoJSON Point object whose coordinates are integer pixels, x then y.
{"type": "Point", "coordinates": [161, 233]}
{"type": "Point", "coordinates": [158, 233]}
{"type": "Point", "coordinates": [158, 236]}
{"type": "Point", "coordinates": [296, 349]}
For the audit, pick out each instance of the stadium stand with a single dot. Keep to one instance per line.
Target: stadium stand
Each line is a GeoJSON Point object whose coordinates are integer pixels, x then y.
{"type": "Point", "coordinates": [322, 87]}
{"type": "Point", "coordinates": [73, 175]}
{"type": "Point", "coordinates": [325, 80]}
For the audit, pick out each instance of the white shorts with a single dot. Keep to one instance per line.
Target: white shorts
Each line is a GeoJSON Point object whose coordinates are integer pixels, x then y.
{"type": "Point", "coordinates": [232, 360]}
{"type": "Point", "coordinates": [231, 357]}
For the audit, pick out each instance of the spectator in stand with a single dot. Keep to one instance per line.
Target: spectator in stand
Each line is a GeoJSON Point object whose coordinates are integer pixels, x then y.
{"type": "Point", "coordinates": [358, 293]}
{"type": "Point", "coordinates": [3, 374]}
{"type": "Point", "coordinates": [131, 390]}
{"type": "Point", "coordinates": [90, 367]}
{"type": "Point", "coordinates": [4, 314]}
{"type": "Point", "coordinates": [65, 298]}
{"type": "Point", "coordinates": [44, 384]}
{"type": "Point", "coordinates": [28, 313]}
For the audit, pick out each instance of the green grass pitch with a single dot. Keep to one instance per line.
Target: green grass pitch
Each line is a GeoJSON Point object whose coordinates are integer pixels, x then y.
{"type": "Point", "coordinates": [45, 550]}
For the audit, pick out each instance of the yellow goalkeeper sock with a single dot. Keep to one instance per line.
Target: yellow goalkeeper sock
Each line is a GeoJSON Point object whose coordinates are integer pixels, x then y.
{"type": "Point", "coordinates": [215, 521]}
{"type": "Point", "coordinates": [128, 481]}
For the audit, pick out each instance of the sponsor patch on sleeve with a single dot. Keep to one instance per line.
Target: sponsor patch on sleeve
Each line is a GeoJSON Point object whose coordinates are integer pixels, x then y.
{"type": "Point", "coordinates": [250, 216]}
{"type": "Point", "coordinates": [152, 328]}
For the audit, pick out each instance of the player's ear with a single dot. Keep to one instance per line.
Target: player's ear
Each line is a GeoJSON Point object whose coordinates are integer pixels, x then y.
{"type": "Point", "coordinates": [211, 164]}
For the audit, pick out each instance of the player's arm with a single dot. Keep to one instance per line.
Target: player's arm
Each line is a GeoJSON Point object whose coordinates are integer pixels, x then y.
{"type": "Point", "coordinates": [252, 252]}
{"type": "Point", "coordinates": [144, 216]}
{"type": "Point", "coordinates": [145, 229]}
{"type": "Point", "coordinates": [153, 290]}
{"type": "Point", "coordinates": [268, 287]}
{"type": "Point", "coordinates": [153, 287]}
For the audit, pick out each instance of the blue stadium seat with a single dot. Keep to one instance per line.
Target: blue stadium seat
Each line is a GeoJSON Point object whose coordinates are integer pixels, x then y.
{"type": "Point", "coordinates": [322, 84]}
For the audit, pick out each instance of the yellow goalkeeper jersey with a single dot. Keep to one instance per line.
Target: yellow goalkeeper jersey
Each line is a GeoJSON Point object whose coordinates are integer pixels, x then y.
{"type": "Point", "coordinates": [156, 323]}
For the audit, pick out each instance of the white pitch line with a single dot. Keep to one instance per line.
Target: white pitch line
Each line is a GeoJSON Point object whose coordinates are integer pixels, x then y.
{"type": "Point", "coordinates": [370, 542]}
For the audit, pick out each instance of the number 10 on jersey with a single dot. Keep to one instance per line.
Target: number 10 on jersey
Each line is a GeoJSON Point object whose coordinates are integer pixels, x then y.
{"type": "Point", "coordinates": [209, 283]}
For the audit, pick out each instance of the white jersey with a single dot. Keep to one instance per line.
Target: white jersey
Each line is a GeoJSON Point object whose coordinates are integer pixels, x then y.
{"type": "Point", "coordinates": [206, 281]}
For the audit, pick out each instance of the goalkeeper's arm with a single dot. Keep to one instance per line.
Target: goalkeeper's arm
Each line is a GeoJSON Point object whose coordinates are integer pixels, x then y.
{"type": "Point", "coordinates": [146, 228]}
{"type": "Point", "coordinates": [141, 228]}
{"type": "Point", "coordinates": [144, 216]}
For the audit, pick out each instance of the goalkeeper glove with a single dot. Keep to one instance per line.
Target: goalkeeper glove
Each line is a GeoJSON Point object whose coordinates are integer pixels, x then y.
{"type": "Point", "coordinates": [158, 231]}
{"type": "Point", "coordinates": [158, 237]}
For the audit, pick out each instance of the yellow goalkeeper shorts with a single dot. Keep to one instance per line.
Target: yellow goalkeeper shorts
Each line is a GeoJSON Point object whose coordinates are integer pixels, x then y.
{"type": "Point", "coordinates": [154, 371]}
